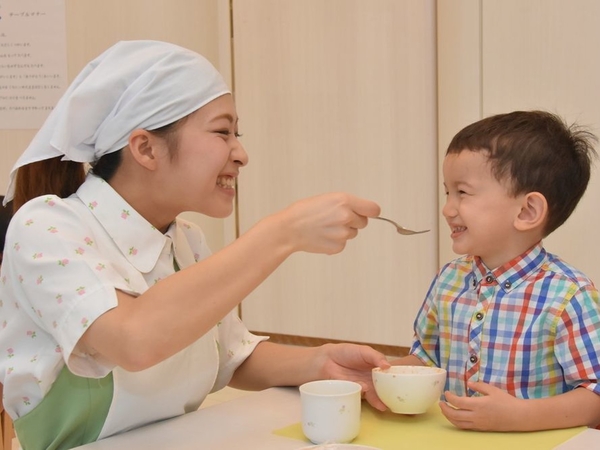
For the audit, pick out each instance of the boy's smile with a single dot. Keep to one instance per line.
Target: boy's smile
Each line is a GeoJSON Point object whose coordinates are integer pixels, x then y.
{"type": "Point", "coordinates": [479, 210]}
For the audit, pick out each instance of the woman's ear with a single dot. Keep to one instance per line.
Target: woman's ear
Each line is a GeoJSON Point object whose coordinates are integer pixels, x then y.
{"type": "Point", "coordinates": [534, 210]}
{"type": "Point", "coordinates": [145, 148]}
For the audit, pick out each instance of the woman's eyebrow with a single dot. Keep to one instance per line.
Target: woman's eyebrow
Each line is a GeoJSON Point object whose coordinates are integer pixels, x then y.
{"type": "Point", "coordinates": [227, 116]}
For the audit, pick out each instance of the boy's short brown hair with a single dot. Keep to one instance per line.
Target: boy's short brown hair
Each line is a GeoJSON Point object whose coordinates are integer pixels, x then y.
{"type": "Point", "coordinates": [534, 151]}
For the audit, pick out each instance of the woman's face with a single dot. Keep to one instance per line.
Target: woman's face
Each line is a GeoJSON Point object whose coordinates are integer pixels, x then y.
{"type": "Point", "coordinates": [200, 173]}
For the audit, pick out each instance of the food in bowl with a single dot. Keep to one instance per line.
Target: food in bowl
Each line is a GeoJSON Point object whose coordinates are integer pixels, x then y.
{"type": "Point", "coordinates": [409, 389]}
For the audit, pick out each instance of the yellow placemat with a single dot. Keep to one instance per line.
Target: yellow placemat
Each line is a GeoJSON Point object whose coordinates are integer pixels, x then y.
{"type": "Point", "coordinates": [432, 431]}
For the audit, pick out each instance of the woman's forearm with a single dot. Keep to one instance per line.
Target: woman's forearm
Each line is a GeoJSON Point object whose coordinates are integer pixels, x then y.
{"type": "Point", "coordinates": [187, 304]}
{"type": "Point", "coordinates": [273, 364]}
{"type": "Point", "coordinates": [178, 310]}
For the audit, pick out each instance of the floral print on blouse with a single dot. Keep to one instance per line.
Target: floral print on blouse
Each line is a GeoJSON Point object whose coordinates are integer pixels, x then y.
{"type": "Point", "coordinates": [63, 261]}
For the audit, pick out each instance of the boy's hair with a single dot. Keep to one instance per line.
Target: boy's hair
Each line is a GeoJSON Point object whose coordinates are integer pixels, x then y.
{"type": "Point", "coordinates": [534, 151]}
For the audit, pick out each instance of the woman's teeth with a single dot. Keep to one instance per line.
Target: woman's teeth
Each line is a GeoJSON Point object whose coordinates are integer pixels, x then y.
{"type": "Point", "coordinates": [458, 229]}
{"type": "Point", "coordinates": [226, 182]}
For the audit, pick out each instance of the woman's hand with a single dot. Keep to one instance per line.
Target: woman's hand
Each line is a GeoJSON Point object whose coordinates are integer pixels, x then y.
{"type": "Point", "coordinates": [272, 364]}
{"type": "Point", "coordinates": [354, 362]}
{"type": "Point", "coordinates": [323, 224]}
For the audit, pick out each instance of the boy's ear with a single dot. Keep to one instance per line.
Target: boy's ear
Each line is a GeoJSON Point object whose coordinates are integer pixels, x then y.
{"type": "Point", "coordinates": [144, 147]}
{"type": "Point", "coordinates": [534, 210]}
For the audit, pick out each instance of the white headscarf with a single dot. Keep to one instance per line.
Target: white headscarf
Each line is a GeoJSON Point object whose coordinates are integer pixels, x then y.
{"type": "Point", "coordinates": [133, 84]}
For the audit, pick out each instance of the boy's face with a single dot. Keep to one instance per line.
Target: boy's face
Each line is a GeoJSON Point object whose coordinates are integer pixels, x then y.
{"type": "Point", "coordinates": [479, 210]}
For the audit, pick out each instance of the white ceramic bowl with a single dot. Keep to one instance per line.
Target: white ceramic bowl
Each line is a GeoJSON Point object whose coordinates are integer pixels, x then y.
{"type": "Point", "coordinates": [409, 389]}
{"type": "Point", "coordinates": [339, 447]}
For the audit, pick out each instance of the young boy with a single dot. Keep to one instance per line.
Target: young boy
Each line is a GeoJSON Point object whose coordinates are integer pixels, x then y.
{"type": "Point", "coordinates": [516, 328]}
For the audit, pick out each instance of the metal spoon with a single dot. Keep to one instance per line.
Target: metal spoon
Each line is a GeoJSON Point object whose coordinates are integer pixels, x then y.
{"type": "Point", "coordinates": [401, 229]}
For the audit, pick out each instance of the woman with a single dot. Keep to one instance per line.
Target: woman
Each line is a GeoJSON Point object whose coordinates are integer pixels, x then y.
{"type": "Point", "coordinates": [114, 312]}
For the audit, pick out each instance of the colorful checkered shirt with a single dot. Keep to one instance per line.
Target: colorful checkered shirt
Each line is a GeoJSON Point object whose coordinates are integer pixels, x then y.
{"type": "Point", "coordinates": [530, 327]}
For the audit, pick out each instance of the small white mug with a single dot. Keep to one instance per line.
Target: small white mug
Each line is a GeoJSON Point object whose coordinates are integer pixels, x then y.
{"type": "Point", "coordinates": [330, 410]}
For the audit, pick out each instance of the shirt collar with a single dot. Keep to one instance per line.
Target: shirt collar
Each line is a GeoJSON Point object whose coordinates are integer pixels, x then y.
{"type": "Point", "coordinates": [137, 239]}
{"type": "Point", "coordinates": [511, 274]}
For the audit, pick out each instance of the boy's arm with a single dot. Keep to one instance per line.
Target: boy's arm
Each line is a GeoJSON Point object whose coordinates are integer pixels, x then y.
{"type": "Point", "coordinates": [497, 410]}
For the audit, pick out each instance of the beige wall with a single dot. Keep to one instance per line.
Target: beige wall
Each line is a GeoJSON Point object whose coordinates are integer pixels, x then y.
{"type": "Point", "coordinates": [93, 26]}
{"type": "Point", "coordinates": [503, 55]}
{"type": "Point", "coordinates": [340, 95]}
{"type": "Point", "coordinates": [364, 95]}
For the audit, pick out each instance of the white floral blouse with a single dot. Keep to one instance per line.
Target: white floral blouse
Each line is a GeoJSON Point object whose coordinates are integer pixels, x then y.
{"type": "Point", "coordinates": [63, 261]}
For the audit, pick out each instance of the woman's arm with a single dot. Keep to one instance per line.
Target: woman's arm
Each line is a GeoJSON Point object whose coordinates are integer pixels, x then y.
{"type": "Point", "coordinates": [172, 314]}
{"type": "Point", "coordinates": [279, 365]}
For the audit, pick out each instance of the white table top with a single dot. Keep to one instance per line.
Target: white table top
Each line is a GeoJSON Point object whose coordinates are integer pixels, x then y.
{"type": "Point", "coordinates": [243, 423]}
{"type": "Point", "coordinates": [247, 423]}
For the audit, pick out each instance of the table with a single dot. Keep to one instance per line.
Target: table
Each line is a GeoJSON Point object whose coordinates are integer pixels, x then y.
{"type": "Point", "coordinates": [270, 420]}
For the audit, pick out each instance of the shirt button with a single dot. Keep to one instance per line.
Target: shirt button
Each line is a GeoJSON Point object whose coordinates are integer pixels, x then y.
{"type": "Point", "coordinates": [479, 316]}
{"type": "Point", "coordinates": [489, 278]}
{"type": "Point", "coordinates": [473, 359]}
{"type": "Point", "coordinates": [507, 285]}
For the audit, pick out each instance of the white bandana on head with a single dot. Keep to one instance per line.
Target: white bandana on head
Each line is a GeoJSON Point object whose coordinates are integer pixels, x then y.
{"type": "Point", "coordinates": [133, 84]}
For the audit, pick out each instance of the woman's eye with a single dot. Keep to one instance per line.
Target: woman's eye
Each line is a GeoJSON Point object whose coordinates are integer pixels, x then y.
{"type": "Point", "coordinates": [228, 133]}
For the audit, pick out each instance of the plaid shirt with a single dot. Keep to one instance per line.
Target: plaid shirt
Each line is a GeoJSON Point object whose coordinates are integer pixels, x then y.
{"type": "Point", "coordinates": [530, 327]}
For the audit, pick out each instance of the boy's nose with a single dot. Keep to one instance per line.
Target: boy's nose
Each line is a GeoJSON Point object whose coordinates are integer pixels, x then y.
{"type": "Point", "coordinates": [448, 210]}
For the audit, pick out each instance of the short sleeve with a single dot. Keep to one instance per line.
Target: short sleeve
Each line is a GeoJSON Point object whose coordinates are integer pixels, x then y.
{"type": "Point", "coordinates": [425, 344]}
{"type": "Point", "coordinates": [577, 338]}
{"type": "Point", "coordinates": [235, 343]}
{"type": "Point", "coordinates": [63, 282]}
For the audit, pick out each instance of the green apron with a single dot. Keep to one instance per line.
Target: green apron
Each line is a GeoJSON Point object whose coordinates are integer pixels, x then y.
{"type": "Point", "coordinates": [71, 414]}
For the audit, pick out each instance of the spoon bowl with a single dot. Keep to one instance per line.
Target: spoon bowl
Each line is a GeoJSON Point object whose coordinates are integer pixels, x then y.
{"type": "Point", "coordinates": [399, 228]}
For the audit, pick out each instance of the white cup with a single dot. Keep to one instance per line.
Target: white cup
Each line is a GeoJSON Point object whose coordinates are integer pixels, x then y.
{"type": "Point", "coordinates": [330, 410]}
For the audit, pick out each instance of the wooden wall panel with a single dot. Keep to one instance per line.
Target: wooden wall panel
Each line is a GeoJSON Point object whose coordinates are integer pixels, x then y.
{"type": "Point", "coordinates": [341, 95]}
{"type": "Point", "coordinates": [540, 54]}
{"type": "Point", "coordinates": [503, 55]}
{"type": "Point", "coordinates": [93, 26]}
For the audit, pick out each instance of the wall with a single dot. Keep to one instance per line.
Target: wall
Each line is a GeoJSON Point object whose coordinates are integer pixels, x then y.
{"type": "Point", "coordinates": [93, 26]}
{"type": "Point", "coordinates": [364, 96]}
{"type": "Point", "coordinates": [341, 95]}
{"type": "Point", "coordinates": [503, 55]}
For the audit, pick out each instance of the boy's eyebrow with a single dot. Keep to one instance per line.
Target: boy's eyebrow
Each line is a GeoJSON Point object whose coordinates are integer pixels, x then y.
{"type": "Point", "coordinates": [459, 183]}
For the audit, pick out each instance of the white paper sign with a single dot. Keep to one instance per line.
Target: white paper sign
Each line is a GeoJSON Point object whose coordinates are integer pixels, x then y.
{"type": "Point", "coordinates": [33, 61]}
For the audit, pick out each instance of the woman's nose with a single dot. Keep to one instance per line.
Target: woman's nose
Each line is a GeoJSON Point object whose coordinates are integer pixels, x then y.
{"type": "Point", "coordinates": [238, 153]}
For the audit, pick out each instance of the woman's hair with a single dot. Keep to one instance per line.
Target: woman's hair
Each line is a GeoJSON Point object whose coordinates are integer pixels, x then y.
{"type": "Point", "coordinates": [63, 178]}
{"type": "Point", "coordinates": [5, 216]}
{"type": "Point", "coordinates": [534, 151]}
{"type": "Point", "coordinates": [50, 176]}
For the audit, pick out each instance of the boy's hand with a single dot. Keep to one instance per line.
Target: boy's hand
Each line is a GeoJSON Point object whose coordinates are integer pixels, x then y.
{"type": "Point", "coordinates": [494, 410]}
